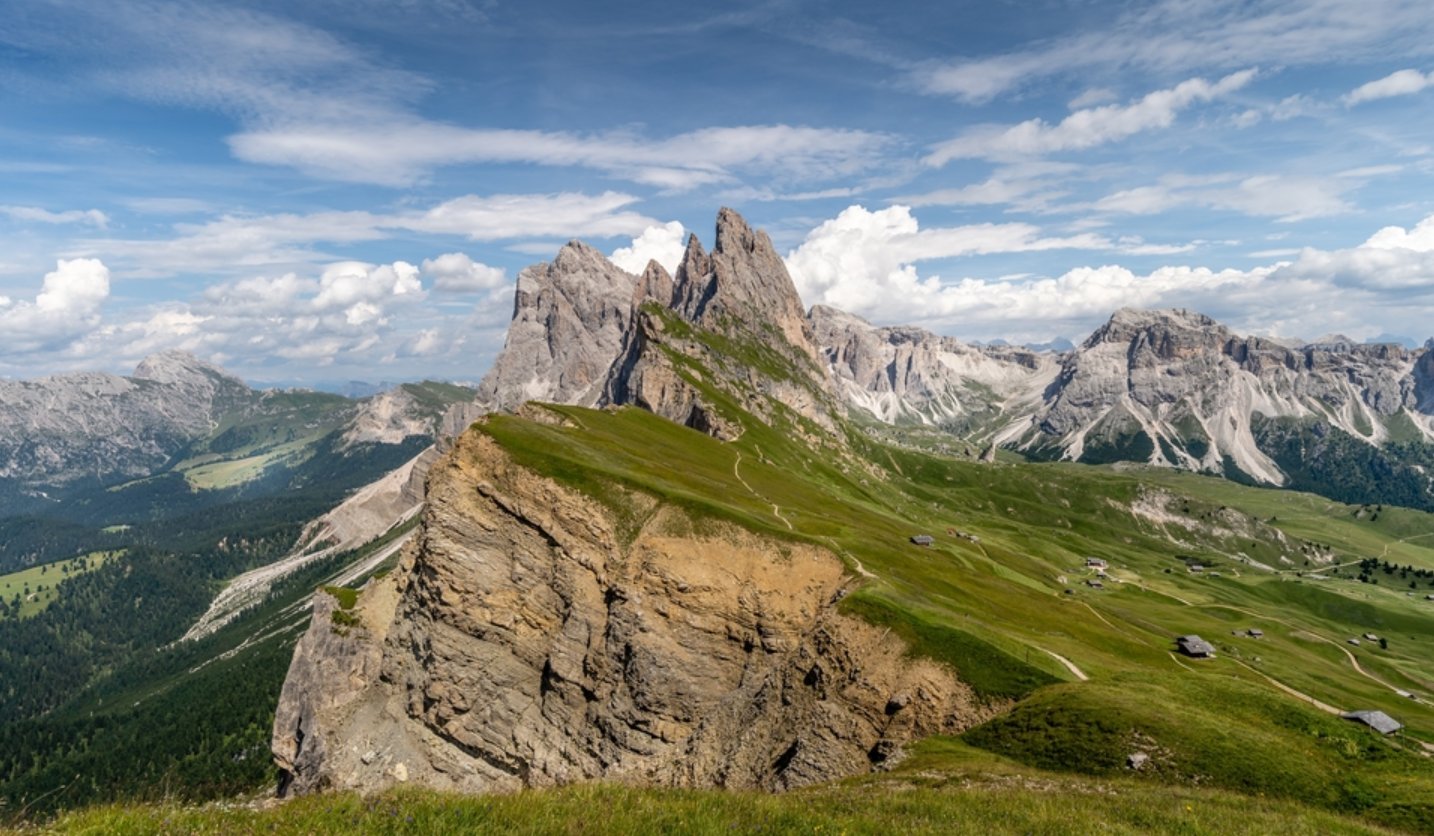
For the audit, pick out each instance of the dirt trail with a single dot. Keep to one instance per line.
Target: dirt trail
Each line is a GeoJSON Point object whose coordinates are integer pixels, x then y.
{"type": "Point", "coordinates": [1385, 553]}
{"type": "Point", "coordinates": [1354, 662]}
{"type": "Point", "coordinates": [776, 509]}
{"type": "Point", "coordinates": [1070, 666]}
{"type": "Point", "coordinates": [1322, 706]}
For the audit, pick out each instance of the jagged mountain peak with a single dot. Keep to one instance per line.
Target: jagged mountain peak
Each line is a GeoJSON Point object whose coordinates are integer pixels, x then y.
{"type": "Point", "coordinates": [743, 281]}
{"type": "Point", "coordinates": [655, 284]}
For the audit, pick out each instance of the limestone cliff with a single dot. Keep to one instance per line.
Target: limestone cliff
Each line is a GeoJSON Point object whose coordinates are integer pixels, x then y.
{"type": "Point", "coordinates": [533, 636]}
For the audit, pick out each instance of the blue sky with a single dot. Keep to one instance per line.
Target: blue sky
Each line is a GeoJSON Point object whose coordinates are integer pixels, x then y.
{"type": "Point", "coordinates": [347, 190]}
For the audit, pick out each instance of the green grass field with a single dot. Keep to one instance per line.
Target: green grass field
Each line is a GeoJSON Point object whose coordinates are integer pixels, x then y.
{"type": "Point", "coordinates": [35, 588]}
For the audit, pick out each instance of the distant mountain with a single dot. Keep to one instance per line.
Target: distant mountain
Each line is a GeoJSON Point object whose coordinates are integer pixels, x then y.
{"type": "Point", "coordinates": [180, 435]}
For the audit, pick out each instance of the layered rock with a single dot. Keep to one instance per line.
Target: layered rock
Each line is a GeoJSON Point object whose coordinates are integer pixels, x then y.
{"type": "Point", "coordinates": [526, 641]}
{"type": "Point", "coordinates": [58, 430]}
{"type": "Point", "coordinates": [735, 329]}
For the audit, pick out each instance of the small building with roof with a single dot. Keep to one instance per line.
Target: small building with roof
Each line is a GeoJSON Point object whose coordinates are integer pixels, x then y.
{"type": "Point", "coordinates": [922, 539]}
{"type": "Point", "coordinates": [1195, 647]}
{"type": "Point", "coordinates": [1255, 633]}
{"type": "Point", "coordinates": [1377, 720]}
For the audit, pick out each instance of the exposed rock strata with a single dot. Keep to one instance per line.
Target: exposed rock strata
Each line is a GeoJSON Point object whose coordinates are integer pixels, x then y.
{"type": "Point", "coordinates": [526, 641]}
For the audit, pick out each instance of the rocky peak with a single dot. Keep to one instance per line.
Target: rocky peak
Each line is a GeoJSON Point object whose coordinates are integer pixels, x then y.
{"type": "Point", "coordinates": [655, 284]}
{"type": "Point", "coordinates": [1130, 324]}
{"type": "Point", "coordinates": [743, 281]}
{"type": "Point", "coordinates": [180, 367]}
{"type": "Point", "coordinates": [570, 318]}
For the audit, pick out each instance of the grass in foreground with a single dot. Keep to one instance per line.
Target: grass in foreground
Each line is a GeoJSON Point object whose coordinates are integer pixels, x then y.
{"type": "Point", "coordinates": [892, 804]}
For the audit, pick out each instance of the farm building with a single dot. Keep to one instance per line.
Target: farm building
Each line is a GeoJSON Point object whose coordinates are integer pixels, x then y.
{"type": "Point", "coordinates": [1354, 642]}
{"type": "Point", "coordinates": [923, 539]}
{"type": "Point", "coordinates": [1255, 633]}
{"type": "Point", "coordinates": [1196, 568]}
{"type": "Point", "coordinates": [1195, 647]}
{"type": "Point", "coordinates": [1096, 563]}
{"type": "Point", "coordinates": [1370, 637]}
{"type": "Point", "coordinates": [1094, 584]}
{"type": "Point", "coordinates": [1377, 720]}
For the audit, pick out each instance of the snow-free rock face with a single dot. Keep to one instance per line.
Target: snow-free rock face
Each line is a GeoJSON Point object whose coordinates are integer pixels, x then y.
{"type": "Point", "coordinates": [524, 641]}
{"type": "Point", "coordinates": [570, 318]}
{"type": "Point", "coordinates": [904, 374]}
{"type": "Point", "coordinates": [736, 322]}
{"type": "Point", "coordinates": [92, 426]}
{"type": "Point", "coordinates": [1195, 390]}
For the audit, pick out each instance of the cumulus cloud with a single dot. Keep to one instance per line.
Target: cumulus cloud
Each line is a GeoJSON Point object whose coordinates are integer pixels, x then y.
{"type": "Point", "coordinates": [837, 259]}
{"type": "Point", "coordinates": [663, 244]}
{"type": "Point", "coordinates": [1402, 83]}
{"type": "Point", "coordinates": [67, 305]}
{"type": "Point", "coordinates": [457, 273]}
{"type": "Point", "coordinates": [93, 217]}
{"type": "Point", "coordinates": [1085, 128]}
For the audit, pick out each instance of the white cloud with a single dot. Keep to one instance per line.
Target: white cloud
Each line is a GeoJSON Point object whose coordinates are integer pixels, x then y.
{"type": "Point", "coordinates": [407, 150]}
{"type": "Point", "coordinates": [860, 263]}
{"type": "Point", "coordinates": [67, 305]}
{"type": "Point", "coordinates": [247, 242]}
{"type": "Point", "coordinates": [1085, 128]}
{"type": "Point", "coordinates": [519, 215]}
{"type": "Point", "coordinates": [1402, 83]}
{"type": "Point", "coordinates": [663, 244]}
{"type": "Point", "coordinates": [1420, 239]}
{"type": "Point", "coordinates": [457, 273]}
{"type": "Point", "coordinates": [1179, 36]}
{"type": "Point", "coordinates": [1286, 198]}
{"type": "Point", "coordinates": [835, 263]}
{"type": "Point", "coordinates": [93, 217]}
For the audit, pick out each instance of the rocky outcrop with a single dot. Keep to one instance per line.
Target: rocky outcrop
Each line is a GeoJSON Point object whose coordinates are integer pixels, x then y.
{"type": "Point", "coordinates": [735, 331]}
{"type": "Point", "coordinates": [1194, 390]}
{"type": "Point", "coordinates": [570, 318]}
{"type": "Point", "coordinates": [531, 642]}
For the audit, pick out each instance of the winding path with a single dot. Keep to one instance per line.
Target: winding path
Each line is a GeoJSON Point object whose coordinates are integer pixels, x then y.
{"type": "Point", "coordinates": [776, 509]}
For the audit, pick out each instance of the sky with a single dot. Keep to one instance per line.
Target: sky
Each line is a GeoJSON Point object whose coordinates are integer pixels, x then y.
{"type": "Point", "coordinates": [344, 190]}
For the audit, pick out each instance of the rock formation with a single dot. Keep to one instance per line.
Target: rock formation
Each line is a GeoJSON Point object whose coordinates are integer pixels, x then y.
{"type": "Point", "coordinates": [570, 318]}
{"type": "Point", "coordinates": [526, 641]}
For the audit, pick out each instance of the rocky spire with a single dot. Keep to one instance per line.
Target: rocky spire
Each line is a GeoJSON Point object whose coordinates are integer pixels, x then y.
{"type": "Point", "coordinates": [743, 281]}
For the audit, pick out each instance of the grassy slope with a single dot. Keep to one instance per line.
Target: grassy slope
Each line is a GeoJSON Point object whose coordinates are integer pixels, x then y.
{"type": "Point", "coordinates": [996, 609]}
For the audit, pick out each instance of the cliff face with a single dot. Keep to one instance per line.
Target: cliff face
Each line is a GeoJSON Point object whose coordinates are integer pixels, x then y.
{"type": "Point", "coordinates": [531, 637]}
{"type": "Point", "coordinates": [1195, 390]}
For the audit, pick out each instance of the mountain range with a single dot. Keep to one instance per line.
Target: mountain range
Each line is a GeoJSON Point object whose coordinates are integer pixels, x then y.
{"type": "Point", "coordinates": [1167, 388]}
